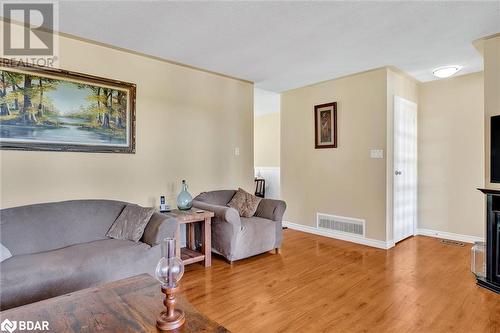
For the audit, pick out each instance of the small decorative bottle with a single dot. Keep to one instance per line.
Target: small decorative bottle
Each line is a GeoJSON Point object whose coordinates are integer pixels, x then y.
{"type": "Point", "coordinates": [184, 199]}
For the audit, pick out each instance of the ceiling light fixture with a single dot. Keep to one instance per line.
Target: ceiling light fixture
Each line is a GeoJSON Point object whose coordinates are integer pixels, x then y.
{"type": "Point", "coordinates": [446, 71]}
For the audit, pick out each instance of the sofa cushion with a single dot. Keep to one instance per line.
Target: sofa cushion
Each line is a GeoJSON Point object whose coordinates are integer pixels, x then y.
{"type": "Point", "coordinates": [131, 223]}
{"type": "Point", "coordinates": [49, 226]}
{"type": "Point", "coordinates": [245, 203]}
{"type": "Point", "coordinates": [257, 236]}
{"type": "Point", "coordinates": [33, 277]}
{"type": "Point", "coordinates": [220, 197]}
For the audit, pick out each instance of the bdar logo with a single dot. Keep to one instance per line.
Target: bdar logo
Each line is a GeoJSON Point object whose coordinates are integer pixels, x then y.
{"type": "Point", "coordinates": [9, 326]}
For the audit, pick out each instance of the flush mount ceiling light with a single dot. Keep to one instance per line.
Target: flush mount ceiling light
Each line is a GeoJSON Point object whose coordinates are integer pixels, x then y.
{"type": "Point", "coordinates": [446, 71]}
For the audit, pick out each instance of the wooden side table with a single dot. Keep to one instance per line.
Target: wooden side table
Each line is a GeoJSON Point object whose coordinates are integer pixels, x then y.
{"type": "Point", "coordinates": [189, 254]}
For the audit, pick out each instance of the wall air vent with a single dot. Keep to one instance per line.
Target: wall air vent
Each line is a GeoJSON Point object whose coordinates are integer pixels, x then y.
{"type": "Point", "coordinates": [345, 225]}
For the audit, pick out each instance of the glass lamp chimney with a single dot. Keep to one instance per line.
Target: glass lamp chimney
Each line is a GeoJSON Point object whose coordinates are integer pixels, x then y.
{"type": "Point", "coordinates": [170, 269]}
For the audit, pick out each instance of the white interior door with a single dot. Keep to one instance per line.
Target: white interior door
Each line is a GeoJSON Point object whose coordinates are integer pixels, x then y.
{"type": "Point", "coordinates": [405, 168]}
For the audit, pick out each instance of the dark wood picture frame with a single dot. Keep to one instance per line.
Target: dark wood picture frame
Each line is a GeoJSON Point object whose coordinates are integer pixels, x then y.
{"type": "Point", "coordinates": [86, 79]}
{"type": "Point", "coordinates": [333, 117]}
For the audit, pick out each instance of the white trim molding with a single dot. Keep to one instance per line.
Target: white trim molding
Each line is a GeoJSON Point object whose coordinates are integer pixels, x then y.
{"type": "Point", "coordinates": [339, 235]}
{"type": "Point", "coordinates": [449, 235]}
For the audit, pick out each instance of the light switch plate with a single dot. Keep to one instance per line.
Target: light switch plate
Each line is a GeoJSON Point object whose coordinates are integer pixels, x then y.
{"type": "Point", "coordinates": [376, 153]}
{"type": "Point", "coordinates": [237, 151]}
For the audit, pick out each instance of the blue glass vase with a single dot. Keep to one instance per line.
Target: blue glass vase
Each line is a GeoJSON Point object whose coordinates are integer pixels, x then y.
{"type": "Point", "coordinates": [184, 199]}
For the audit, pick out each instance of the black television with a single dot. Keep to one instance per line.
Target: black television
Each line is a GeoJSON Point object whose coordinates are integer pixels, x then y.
{"type": "Point", "coordinates": [495, 149]}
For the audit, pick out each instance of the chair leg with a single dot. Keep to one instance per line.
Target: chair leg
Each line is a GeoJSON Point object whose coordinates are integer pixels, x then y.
{"type": "Point", "coordinates": [275, 251]}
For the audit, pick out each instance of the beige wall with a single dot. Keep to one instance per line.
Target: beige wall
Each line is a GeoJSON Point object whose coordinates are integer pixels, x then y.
{"type": "Point", "coordinates": [404, 86]}
{"type": "Point", "coordinates": [346, 182]}
{"type": "Point", "coordinates": [188, 124]}
{"type": "Point", "coordinates": [267, 140]}
{"type": "Point", "coordinates": [343, 181]}
{"type": "Point", "coordinates": [451, 155]}
{"type": "Point", "coordinates": [491, 54]}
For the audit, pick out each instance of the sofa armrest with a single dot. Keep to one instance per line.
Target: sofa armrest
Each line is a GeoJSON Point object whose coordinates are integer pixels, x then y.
{"type": "Point", "coordinates": [271, 209]}
{"type": "Point", "coordinates": [158, 228]}
{"type": "Point", "coordinates": [225, 213]}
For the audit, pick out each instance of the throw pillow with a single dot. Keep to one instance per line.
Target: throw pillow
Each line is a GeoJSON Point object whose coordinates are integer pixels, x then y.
{"type": "Point", "coordinates": [245, 203]}
{"type": "Point", "coordinates": [4, 253]}
{"type": "Point", "coordinates": [131, 223]}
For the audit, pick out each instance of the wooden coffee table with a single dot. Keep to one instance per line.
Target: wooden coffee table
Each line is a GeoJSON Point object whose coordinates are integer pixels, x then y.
{"type": "Point", "coordinates": [189, 254]}
{"type": "Point", "coordinates": [129, 305]}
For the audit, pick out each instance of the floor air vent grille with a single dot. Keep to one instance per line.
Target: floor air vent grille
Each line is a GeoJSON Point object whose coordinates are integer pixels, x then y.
{"type": "Point", "coordinates": [346, 225]}
{"type": "Point", "coordinates": [451, 242]}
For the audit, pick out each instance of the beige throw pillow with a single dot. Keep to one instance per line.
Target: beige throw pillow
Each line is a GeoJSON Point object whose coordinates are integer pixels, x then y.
{"type": "Point", "coordinates": [245, 203]}
{"type": "Point", "coordinates": [131, 223]}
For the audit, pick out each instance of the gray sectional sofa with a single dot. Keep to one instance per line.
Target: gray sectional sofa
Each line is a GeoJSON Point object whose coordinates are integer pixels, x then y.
{"type": "Point", "coordinates": [61, 247]}
{"type": "Point", "coordinates": [236, 237]}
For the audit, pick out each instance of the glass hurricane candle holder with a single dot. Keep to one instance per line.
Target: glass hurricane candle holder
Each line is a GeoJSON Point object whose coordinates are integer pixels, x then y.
{"type": "Point", "coordinates": [169, 271]}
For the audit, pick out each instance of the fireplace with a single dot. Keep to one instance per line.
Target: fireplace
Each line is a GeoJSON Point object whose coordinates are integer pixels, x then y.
{"type": "Point", "coordinates": [492, 279]}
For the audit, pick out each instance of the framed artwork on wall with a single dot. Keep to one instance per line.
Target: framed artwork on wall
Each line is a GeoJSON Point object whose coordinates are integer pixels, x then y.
{"type": "Point", "coordinates": [56, 110]}
{"type": "Point", "coordinates": [325, 125]}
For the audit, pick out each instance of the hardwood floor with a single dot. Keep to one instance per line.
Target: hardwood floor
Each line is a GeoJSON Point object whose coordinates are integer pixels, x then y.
{"type": "Point", "coordinates": [318, 284]}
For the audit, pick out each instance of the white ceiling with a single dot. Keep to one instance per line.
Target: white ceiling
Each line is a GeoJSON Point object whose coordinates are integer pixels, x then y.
{"type": "Point", "coordinates": [284, 45]}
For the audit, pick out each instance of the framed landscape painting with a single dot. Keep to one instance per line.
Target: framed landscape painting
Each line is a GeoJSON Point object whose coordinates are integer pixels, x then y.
{"type": "Point", "coordinates": [57, 110]}
{"type": "Point", "coordinates": [325, 125]}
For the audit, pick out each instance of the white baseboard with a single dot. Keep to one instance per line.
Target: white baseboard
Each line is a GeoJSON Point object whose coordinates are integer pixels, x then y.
{"type": "Point", "coordinates": [342, 236]}
{"type": "Point", "coordinates": [378, 243]}
{"type": "Point", "coordinates": [449, 235]}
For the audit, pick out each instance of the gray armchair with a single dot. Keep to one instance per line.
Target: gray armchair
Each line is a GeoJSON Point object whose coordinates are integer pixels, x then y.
{"type": "Point", "coordinates": [236, 237]}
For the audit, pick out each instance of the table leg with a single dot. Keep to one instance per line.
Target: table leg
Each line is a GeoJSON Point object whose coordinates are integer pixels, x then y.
{"type": "Point", "coordinates": [178, 241]}
{"type": "Point", "coordinates": [191, 236]}
{"type": "Point", "coordinates": [207, 241]}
